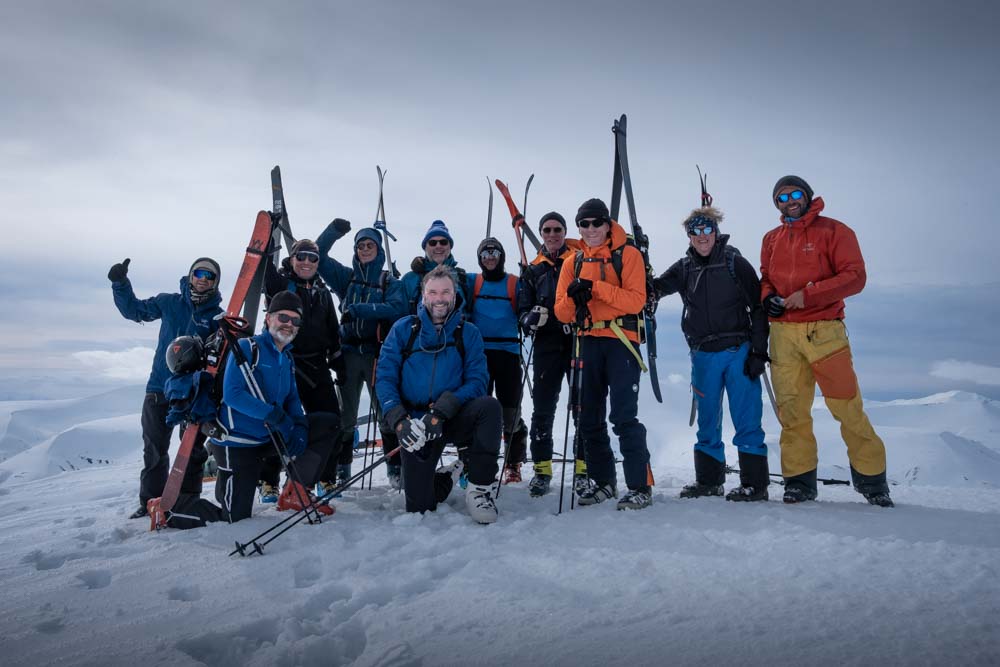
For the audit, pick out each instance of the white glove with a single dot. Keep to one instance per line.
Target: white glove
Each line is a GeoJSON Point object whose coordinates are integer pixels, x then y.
{"type": "Point", "coordinates": [412, 434]}
{"type": "Point", "coordinates": [543, 315]}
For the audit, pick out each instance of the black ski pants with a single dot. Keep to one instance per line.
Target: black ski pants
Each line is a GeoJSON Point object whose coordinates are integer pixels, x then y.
{"type": "Point", "coordinates": [240, 467]}
{"type": "Point", "coordinates": [359, 373]}
{"type": "Point", "coordinates": [609, 367]}
{"type": "Point", "coordinates": [505, 383]}
{"type": "Point", "coordinates": [476, 432]}
{"type": "Point", "coordinates": [156, 452]}
{"type": "Point", "coordinates": [551, 362]}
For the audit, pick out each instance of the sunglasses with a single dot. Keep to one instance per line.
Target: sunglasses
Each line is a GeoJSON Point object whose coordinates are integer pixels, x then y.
{"type": "Point", "coordinates": [289, 319]}
{"type": "Point", "coordinates": [584, 224]}
{"type": "Point", "coordinates": [435, 242]}
{"type": "Point", "coordinates": [203, 274]}
{"type": "Point", "coordinates": [702, 231]}
{"type": "Point", "coordinates": [307, 256]}
{"type": "Point", "coordinates": [366, 245]}
{"type": "Point", "coordinates": [489, 252]}
{"type": "Point", "coordinates": [553, 230]}
{"type": "Point", "coordinates": [796, 195]}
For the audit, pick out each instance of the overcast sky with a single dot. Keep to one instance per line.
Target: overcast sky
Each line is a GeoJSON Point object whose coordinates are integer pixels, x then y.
{"type": "Point", "coordinates": [148, 130]}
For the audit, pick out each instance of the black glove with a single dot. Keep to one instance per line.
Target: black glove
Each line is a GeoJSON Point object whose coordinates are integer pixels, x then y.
{"type": "Point", "coordinates": [342, 226]}
{"type": "Point", "coordinates": [338, 365]}
{"type": "Point", "coordinates": [119, 272]}
{"type": "Point", "coordinates": [529, 322]}
{"type": "Point", "coordinates": [753, 367]}
{"type": "Point", "coordinates": [433, 426]}
{"type": "Point", "coordinates": [279, 420]}
{"type": "Point", "coordinates": [299, 438]}
{"type": "Point", "coordinates": [410, 433]}
{"type": "Point", "coordinates": [774, 305]}
{"type": "Point", "coordinates": [581, 291]}
{"type": "Point", "coordinates": [445, 407]}
{"type": "Point", "coordinates": [394, 416]}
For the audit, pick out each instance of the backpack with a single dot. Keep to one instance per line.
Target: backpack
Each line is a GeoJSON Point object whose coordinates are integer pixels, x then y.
{"type": "Point", "coordinates": [511, 291]}
{"type": "Point", "coordinates": [730, 255]}
{"type": "Point", "coordinates": [458, 341]}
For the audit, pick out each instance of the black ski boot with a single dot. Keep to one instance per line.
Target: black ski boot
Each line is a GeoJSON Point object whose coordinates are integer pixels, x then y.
{"type": "Point", "coordinates": [874, 488]}
{"type": "Point", "coordinates": [800, 488]}
{"type": "Point", "coordinates": [754, 479]}
{"type": "Point", "coordinates": [710, 476]}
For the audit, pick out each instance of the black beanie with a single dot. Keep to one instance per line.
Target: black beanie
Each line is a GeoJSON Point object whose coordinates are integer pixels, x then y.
{"type": "Point", "coordinates": [551, 215]}
{"type": "Point", "coordinates": [794, 181]}
{"type": "Point", "coordinates": [593, 208]}
{"type": "Point", "coordinates": [285, 301]}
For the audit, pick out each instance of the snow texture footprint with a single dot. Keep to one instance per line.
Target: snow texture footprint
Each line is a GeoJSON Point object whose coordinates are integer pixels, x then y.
{"type": "Point", "coordinates": [184, 593]}
{"type": "Point", "coordinates": [95, 579]}
{"type": "Point", "coordinates": [307, 572]}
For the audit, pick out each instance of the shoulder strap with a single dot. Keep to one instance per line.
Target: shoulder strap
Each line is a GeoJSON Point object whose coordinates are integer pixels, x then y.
{"type": "Point", "coordinates": [460, 341]}
{"type": "Point", "coordinates": [412, 340]}
{"type": "Point", "coordinates": [477, 287]}
{"type": "Point", "coordinates": [512, 291]}
{"type": "Point", "coordinates": [616, 261]}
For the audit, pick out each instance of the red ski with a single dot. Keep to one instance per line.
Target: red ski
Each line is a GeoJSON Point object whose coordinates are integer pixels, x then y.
{"type": "Point", "coordinates": [516, 219]}
{"type": "Point", "coordinates": [159, 508]}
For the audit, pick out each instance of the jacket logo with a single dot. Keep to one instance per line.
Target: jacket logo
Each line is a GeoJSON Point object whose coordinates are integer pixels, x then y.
{"type": "Point", "coordinates": [809, 247]}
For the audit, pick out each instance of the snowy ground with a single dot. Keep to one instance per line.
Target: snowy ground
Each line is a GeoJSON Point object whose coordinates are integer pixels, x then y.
{"type": "Point", "coordinates": [684, 582]}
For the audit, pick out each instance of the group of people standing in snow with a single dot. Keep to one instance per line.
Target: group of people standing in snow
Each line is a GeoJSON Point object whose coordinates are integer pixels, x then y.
{"type": "Point", "coordinates": [440, 352]}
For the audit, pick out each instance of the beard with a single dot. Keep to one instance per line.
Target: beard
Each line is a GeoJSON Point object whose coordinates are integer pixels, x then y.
{"type": "Point", "coordinates": [440, 309]}
{"type": "Point", "coordinates": [282, 333]}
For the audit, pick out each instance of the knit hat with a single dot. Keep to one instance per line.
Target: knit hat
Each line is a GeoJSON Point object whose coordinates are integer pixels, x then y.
{"type": "Point", "coordinates": [491, 242]}
{"type": "Point", "coordinates": [206, 263]}
{"type": "Point", "coordinates": [438, 228]}
{"type": "Point", "coordinates": [794, 181]}
{"type": "Point", "coordinates": [285, 301]}
{"type": "Point", "coordinates": [367, 233]}
{"type": "Point", "coordinates": [593, 208]}
{"type": "Point", "coordinates": [551, 215]}
{"type": "Point", "coordinates": [304, 245]}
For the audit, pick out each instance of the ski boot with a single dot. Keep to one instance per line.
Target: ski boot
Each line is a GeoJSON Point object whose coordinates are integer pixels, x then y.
{"type": "Point", "coordinates": [268, 493]}
{"type": "Point", "coordinates": [598, 493]}
{"type": "Point", "coordinates": [512, 474]}
{"type": "Point", "coordinates": [635, 499]}
{"type": "Point", "coordinates": [539, 485]}
{"type": "Point", "coordinates": [480, 504]}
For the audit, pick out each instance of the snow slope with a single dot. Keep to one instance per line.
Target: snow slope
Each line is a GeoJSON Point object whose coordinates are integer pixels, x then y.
{"type": "Point", "coordinates": [684, 582]}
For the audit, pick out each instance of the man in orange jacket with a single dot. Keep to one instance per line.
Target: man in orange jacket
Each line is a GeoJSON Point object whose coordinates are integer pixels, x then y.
{"type": "Point", "coordinates": [808, 265]}
{"type": "Point", "coordinates": [602, 291]}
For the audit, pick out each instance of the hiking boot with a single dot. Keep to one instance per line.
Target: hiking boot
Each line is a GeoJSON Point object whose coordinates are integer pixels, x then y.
{"type": "Point", "coordinates": [880, 498]}
{"type": "Point", "coordinates": [635, 499]}
{"type": "Point", "coordinates": [798, 494]}
{"type": "Point", "coordinates": [395, 475]}
{"type": "Point", "coordinates": [139, 513]}
{"type": "Point", "coordinates": [702, 490]}
{"type": "Point", "coordinates": [539, 485]}
{"type": "Point", "coordinates": [582, 484]}
{"type": "Point", "coordinates": [268, 493]}
{"type": "Point", "coordinates": [343, 473]}
{"type": "Point", "coordinates": [598, 493]}
{"type": "Point", "coordinates": [512, 474]}
{"type": "Point", "coordinates": [480, 504]}
{"type": "Point", "coordinates": [747, 493]}
{"type": "Point", "coordinates": [293, 496]}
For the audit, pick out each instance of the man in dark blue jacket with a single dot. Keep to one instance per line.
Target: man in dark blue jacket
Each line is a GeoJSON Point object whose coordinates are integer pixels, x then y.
{"type": "Point", "coordinates": [190, 312]}
{"type": "Point", "coordinates": [431, 381]}
{"type": "Point", "coordinates": [437, 245]}
{"type": "Point", "coordinates": [249, 422]}
{"type": "Point", "coordinates": [371, 300]}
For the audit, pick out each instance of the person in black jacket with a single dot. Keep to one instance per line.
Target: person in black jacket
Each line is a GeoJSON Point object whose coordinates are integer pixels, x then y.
{"type": "Point", "coordinates": [317, 346]}
{"type": "Point", "coordinates": [726, 329]}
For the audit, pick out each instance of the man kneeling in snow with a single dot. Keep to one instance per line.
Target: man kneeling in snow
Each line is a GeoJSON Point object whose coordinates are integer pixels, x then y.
{"type": "Point", "coordinates": [431, 381]}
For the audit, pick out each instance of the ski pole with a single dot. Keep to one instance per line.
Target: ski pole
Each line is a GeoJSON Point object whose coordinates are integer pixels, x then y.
{"type": "Point", "coordinates": [574, 379]}
{"type": "Point", "coordinates": [824, 480]}
{"type": "Point", "coordinates": [258, 546]}
{"type": "Point", "coordinates": [517, 417]}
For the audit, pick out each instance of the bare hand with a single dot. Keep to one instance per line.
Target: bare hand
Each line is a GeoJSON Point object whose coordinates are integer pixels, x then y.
{"type": "Point", "coordinates": [795, 300]}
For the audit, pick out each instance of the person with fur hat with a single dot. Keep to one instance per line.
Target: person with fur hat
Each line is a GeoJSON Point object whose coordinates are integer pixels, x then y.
{"type": "Point", "coordinates": [809, 264]}
{"type": "Point", "coordinates": [601, 292]}
{"type": "Point", "coordinates": [371, 300]}
{"type": "Point", "coordinates": [494, 312]}
{"type": "Point", "coordinates": [317, 349]}
{"type": "Point", "coordinates": [437, 245]}
{"type": "Point", "coordinates": [726, 329]}
{"type": "Point", "coordinates": [552, 344]}
{"type": "Point", "coordinates": [249, 422]}
{"type": "Point", "coordinates": [189, 312]}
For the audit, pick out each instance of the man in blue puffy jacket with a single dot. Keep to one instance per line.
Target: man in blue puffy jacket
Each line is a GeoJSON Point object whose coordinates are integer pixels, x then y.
{"type": "Point", "coordinates": [437, 245]}
{"type": "Point", "coordinates": [431, 381]}
{"type": "Point", "coordinates": [190, 312]}
{"type": "Point", "coordinates": [248, 421]}
{"type": "Point", "coordinates": [494, 312]}
{"type": "Point", "coordinates": [371, 300]}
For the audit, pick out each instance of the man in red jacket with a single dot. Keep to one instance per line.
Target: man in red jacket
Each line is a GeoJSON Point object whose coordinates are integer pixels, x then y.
{"type": "Point", "coordinates": [809, 264]}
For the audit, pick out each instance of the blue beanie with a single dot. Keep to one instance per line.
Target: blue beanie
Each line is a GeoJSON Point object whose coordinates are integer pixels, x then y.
{"type": "Point", "coordinates": [370, 234]}
{"type": "Point", "coordinates": [438, 228]}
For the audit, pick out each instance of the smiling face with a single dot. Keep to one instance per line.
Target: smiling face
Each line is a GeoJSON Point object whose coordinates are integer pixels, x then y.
{"type": "Point", "coordinates": [203, 284]}
{"type": "Point", "coordinates": [439, 298]}
{"type": "Point", "coordinates": [305, 264]}
{"type": "Point", "coordinates": [438, 249]}
{"type": "Point", "coordinates": [793, 208]}
{"type": "Point", "coordinates": [594, 231]}
{"type": "Point", "coordinates": [367, 251]}
{"type": "Point", "coordinates": [553, 235]}
{"type": "Point", "coordinates": [283, 332]}
{"type": "Point", "coordinates": [701, 241]}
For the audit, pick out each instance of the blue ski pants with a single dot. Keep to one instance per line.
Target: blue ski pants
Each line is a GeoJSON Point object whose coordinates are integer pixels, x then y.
{"type": "Point", "coordinates": [711, 374]}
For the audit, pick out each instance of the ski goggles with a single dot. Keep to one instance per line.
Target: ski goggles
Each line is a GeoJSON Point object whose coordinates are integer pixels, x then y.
{"type": "Point", "coordinates": [307, 256]}
{"type": "Point", "coordinates": [553, 230]}
{"type": "Point", "coordinates": [701, 231]}
{"type": "Point", "coordinates": [584, 224]}
{"type": "Point", "coordinates": [203, 274]}
{"type": "Point", "coordinates": [436, 242]}
{"type": "Point", "coordinates": [488, 253]}
{"type": "Point", "coordinates": [289, 319]}
{"type": "Point", "coordinates": [795, 194]}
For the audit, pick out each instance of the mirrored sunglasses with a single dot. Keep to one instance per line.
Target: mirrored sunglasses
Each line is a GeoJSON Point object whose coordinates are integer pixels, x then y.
{"type": "Point", "coordinates": [701, 231]}
{"type": "Point", "coordinates": [490, 252]}
{"type": "Point", "coordinates": [796, 195]}
{"type": "Point", "coordinates": [203, 274]}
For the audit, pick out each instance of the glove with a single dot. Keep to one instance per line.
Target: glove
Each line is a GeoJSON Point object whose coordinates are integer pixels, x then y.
{"type": "Point", "coordinates": [299, 438]}
{"type": "Point", "coordinates": [346, 318]}
{"type": "Point", "coordinates": [445, 407]}
{"type": "Point", "coordinates": [534, 319]}
{"type": "Point", "coordinates": [581, 291]}
{"type": "Point", "coordinates": [393, 417]}
{"type": "Point", "coordinates": [279, 420]}
{"type": "Point", "coordinates": [410, 433]}
{"type": "Point", "coordinates": [774, 305]}
{"type": "Point", "coordinates": [338, 365]}
{"type": "Point", "coordinates": [753, 367]}
{"type": "Point", "coordinates": [433, 426]}
{"type": "Point", "coordinates": [342, 226]}
{"type": "Point", "coordinates": [118, 272]}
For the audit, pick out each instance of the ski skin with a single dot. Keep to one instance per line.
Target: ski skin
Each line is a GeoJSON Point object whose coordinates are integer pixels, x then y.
{"type": "Point", "coordinates": [159, 508]}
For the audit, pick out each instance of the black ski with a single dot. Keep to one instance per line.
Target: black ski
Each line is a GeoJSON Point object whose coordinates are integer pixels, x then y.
{"type": "Point", "coordinates": [380, 222]}
{"type": "Point", "coordinates": [622, 178]}
{"type": "Point", "coordinates": [525, 229]}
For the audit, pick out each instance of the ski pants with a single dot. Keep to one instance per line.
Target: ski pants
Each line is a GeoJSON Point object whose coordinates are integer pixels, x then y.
{"type": "Point", "coordinates": [506, 382]}
{"type": "Point", "coordinates": [359, 374]}
{"type": "Point", "coordinates": [156, 452]}
{"type": "Point", "coordinates": [551, 361]}
{"type": "Point", "coordinates": [804, 354]}
{"type": "Point", "coordinates": [476, 432]}
{"type": "Point", "coordinates": [713, 373]}
{"type": "Point", "coordinates": [240, 467]}
{"type": "Point", "coordinates": [610, 367]}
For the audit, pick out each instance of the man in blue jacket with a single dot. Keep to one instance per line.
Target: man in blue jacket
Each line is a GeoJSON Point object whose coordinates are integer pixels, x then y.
{"type": "Point", "coordinates": [248, 421]}
{"type": "Point", "coordinates": [371, 300]}
{"type": "Point", "coordinates": [190, 312]}
{"type": "Point", "coordinates": [431, 381]}
{"type": "Point", "coordinates": [437, 245]}
{"type": "Point", "coordinates": [494, 312]}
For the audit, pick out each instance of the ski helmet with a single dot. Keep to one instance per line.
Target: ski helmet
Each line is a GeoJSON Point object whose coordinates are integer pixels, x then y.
{"type": "Point", "coordinates": [185, 354]}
